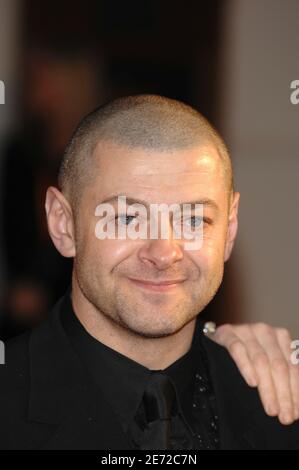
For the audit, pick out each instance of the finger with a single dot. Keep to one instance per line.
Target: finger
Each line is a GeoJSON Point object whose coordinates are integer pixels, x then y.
{"type": "Point", "coordinates": [266, 386]}
{"type": "Point", "coordinates": [225, 336]}
{"type": "Point", "coordinates": [267, 338]}
{"type": "Point", "coordinates": [245, 334]}
{"type": "Point", "coordinates": [294, 379]}
{"type": "Point", "coordinates": [238, 352]}
{"type": "Point", "coordinates": [281, 376]}
{"type": "Point", "coordinates": [284, 340]}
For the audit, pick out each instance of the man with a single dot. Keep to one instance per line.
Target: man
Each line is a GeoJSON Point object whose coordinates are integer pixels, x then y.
{"type": "Point", "coordinates": [122, 362]}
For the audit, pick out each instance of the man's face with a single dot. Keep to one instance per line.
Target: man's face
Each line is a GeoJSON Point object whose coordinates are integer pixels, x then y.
{"type": "Point", "coordinates": [110, 271]}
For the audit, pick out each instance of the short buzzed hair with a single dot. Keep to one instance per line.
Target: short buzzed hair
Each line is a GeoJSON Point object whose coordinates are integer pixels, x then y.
{"type": "Point", "coordinates": [150, 122]}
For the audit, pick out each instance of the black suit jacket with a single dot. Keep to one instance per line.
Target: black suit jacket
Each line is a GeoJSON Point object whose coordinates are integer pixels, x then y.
{"type": "Point", "coordinates": [48, 401]}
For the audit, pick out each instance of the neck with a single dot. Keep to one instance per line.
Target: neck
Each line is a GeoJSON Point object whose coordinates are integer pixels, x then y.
{"type": "Point", "coordinates": [153, 353]}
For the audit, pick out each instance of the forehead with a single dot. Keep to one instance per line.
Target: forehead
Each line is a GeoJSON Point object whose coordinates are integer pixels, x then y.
{"type": "Point", "coordinates": [168, 174]}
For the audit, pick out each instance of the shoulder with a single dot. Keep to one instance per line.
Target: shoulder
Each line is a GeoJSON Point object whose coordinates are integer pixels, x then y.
{"type": "Point", "coordinates": [20, 377]}
{"type": "Point", "coordinates": [20, 352]}
{"type": "Point", "coordinates": [15, 369]}
{"type": "Point", "coordinates": [14, 386]}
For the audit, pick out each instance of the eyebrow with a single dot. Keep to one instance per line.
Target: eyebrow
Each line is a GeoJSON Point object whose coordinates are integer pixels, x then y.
{"type": "Point", "coordinates": [130, 200]}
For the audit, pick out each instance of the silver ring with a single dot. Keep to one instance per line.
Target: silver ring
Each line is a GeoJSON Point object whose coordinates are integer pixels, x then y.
{"type": "Point", "coordinates": [209, 328]}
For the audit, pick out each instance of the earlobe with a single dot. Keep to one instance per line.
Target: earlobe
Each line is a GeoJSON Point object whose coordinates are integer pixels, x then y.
{"type": "Point", "coordinates": [232, 226]}
{"type": "Point", "coordinates": [60, 222]}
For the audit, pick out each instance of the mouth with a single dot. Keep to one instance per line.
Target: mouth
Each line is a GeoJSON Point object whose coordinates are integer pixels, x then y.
{"type": "Point", "coordinates": [161, 286]}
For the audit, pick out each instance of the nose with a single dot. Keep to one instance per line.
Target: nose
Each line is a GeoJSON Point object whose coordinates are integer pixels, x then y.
{"type": "Point", "coordinates": [161, 253]}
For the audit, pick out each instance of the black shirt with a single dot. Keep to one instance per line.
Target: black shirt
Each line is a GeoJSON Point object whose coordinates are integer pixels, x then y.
{"type": "Point", "coordinates": [123, 380]}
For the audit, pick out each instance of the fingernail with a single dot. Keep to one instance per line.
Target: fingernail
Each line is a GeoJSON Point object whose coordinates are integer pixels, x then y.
{"type": "Point", "coordinates": [251, 382]}
{"type": "Point", "coordinates": [287, 418]}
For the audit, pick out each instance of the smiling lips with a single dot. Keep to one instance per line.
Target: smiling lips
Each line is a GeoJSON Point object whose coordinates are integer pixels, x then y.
{"type": "Point", "coordinates": [158, 286]}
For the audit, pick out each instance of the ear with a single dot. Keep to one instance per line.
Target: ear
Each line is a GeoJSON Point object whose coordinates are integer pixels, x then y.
{"type": "Point", "coordinates": [232, 225]}
{"type": "Point", "coordinates": [60, 222]}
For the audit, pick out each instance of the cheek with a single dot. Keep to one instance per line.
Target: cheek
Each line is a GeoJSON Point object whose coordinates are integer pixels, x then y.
{"type": "Point", "coordinates": [109, 254]}
{"type": "Point", "coordinates": [210, 256]}
{"type": "Point", "coordinates": [100, 255]}
{"type": "Point", "coordinates": [214, 238]}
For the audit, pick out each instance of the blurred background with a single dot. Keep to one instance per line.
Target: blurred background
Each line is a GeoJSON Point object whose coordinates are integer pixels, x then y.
{"type": "Point", "coordinates": [234, 60]}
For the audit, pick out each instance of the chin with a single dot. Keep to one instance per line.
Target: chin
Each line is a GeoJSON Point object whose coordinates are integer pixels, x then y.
{"type": "Point", "coordinates": [156, 328]}
{"type": "Point", "coordinates": [153, 333]}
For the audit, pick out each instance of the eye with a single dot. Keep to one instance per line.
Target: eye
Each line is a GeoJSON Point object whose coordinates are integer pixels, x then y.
{"type": "Point", "coordinates": [194, 221]}
{"type": "Point", "coordinates": [125, 219]}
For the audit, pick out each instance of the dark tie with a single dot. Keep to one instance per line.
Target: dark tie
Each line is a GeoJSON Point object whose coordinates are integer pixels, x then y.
{"type": "Point", "coordinates": [159, 401]}
{"type": "Point", "coordinates": [158, 418]}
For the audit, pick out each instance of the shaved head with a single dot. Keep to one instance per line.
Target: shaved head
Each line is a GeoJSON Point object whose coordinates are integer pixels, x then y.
{"type": "Point", "coordinates": [149, 122]}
